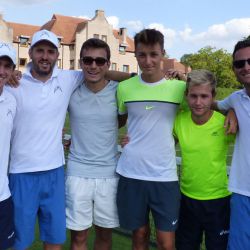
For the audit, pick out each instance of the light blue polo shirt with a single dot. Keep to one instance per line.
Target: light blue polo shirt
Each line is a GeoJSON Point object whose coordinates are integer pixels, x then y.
{"type": "Point", "coordinates": [240, 169]}
{"type": "Point", "coordinates": [94, 128]}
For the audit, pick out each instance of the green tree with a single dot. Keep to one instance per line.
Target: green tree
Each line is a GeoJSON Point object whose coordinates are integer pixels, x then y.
{"type": "Point", "coordinates": [217, 61]}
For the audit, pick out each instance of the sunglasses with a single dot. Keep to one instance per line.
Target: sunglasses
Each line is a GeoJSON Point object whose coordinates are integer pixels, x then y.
{"type": "Point", "coordinates": [238, 64]}
{"type": "Point", "coordinates": [87, 60]}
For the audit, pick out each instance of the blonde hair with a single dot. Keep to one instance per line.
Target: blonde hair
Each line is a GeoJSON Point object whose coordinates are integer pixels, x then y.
{"type": "Point", "coordinates": [201, 76]}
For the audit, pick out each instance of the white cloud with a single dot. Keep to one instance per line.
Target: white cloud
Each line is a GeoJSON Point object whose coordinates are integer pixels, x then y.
{"type": "Point", "coordinates": [134, 26]}
{"type": "Point", "coordinates": [222, 35]}
{"type": "Point", "coordinates": [26, 2]}
{"type": "Point", "coordinates": [84, 17]}
{"type": "Point", "coordinates": [114, 21]}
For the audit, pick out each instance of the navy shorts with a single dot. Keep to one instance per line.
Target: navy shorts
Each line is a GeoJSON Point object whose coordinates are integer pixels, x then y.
{"type": "Point", "coordinates": [39, 195]}
{"type": "Point", "coordinates": [7, 234]}
{"type": "Point", "coordinates": [136, 198]}
{"type": "Point", "coordinates": [203, 216]}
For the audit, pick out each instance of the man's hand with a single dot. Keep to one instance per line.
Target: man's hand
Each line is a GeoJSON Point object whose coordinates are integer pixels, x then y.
{"type": "Point", "coordinates": [231, 122]}
{"type": "Point", "coordinates": [175, 74]}
{"type": "Point", "coordinates": [14, 79]}
{"type": "Point", "coordinates": [124, 140]}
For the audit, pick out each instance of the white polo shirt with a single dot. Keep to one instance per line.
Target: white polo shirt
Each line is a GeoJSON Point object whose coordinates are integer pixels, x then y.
{"type": "Point", "coordinates": [7, 114]}
{"type": "Point", "coordinates": [240, 169]}
{"type": "Point", "coordinates": [41, 110]}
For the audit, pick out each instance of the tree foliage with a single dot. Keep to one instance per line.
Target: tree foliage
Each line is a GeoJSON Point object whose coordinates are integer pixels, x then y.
{"type": "Point", "coordinates": [217, 61]}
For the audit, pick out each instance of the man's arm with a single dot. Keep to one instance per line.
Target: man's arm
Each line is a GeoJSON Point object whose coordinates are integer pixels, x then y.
{"type": "Point", "coordinates": [231, 121]}
{"type": "Point", "coordinates": [122, 119]}
{"type": "Point", "coordinates": [117, 75]}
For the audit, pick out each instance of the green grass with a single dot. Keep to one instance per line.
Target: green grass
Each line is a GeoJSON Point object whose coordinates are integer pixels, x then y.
{"type": "Point", "coordinates": [120, 241]}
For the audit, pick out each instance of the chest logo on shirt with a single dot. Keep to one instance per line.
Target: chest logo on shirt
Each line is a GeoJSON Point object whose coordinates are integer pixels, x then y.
{"type": "Point", "coordinates": [9, 113]}
{"type": "Point", "coordinates": [215, 133]}
{"type": "Point", "coordinates": [148, 107]}
{"type": "Point", "coordinates": [57, 88]}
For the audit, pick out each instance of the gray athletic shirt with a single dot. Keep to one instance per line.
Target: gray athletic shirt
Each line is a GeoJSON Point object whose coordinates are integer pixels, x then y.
{"type": "Point", "coordinates": [93, 121]}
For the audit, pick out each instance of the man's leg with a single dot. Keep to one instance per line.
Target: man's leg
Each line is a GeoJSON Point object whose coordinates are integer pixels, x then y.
{"type": "Point", "coordinates": [25, 190]}
{"type": "Point", "coordinates": [7, 233]}
{"type": "Point", "coordinates": [103, 238]}
{"type": "Point", "coordinates": [79, 240]}
{"type": "Point", "coordinates": [105, 212]}
{"type": "Point", "coordinates": [47, 246]}
{"type": "Point", "coordinates": [165, 240]}
{"type": "Point", "coordinates": [190, 230]}
{"type": "Point", "coordinates": [216, 223]}
{"type": "Point", "coordinates": [164, 202]}
{"type": "Point", "coordinates": [239, 234]}
{"type": "Point", "coordinates": [51, 213]}
{"type": "Point", "coordinates": [140, 238]}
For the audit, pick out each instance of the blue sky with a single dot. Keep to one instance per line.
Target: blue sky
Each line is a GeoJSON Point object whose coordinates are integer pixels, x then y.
{"type": "Point", "coordinates": [187, 25]}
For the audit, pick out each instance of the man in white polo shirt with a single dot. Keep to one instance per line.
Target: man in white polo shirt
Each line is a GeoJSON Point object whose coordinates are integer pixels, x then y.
{"type": "Point", "coordinates": [7, 114]}
{"type": "Point", "coordinates": [37, 156]}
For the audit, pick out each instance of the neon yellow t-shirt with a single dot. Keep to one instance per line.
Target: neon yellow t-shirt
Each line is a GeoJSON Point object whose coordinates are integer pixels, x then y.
{"type": "Point", "coordinates": [204, 152]}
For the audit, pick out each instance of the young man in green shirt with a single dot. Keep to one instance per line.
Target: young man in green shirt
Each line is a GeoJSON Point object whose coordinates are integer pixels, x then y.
{"type": "Point", "coordinates": [205, 203]}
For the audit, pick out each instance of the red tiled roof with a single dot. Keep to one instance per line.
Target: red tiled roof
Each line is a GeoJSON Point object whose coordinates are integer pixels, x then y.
{"type": "Point", "coordinates": [130, 41]}
{"type": "Point", "coordinates": [65, 27]}
{"type": "Point", "coordinates": [22, 29]}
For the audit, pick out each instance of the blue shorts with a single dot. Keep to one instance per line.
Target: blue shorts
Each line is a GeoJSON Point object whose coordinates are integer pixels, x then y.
{"type": "Point", "coordinates": [7, 234]}
{"type": "Point", "coordinates": [39, 195]}
{"type": "Point", "coordinates": [239, 234]}
{"type": "Point", "coordinates": [136, 198]}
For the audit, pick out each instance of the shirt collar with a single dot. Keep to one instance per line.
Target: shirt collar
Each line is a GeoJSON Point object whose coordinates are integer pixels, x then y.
{"type": "Point", "coordinates": [27, 72]}
{"type": "Point", "coordinates": [2, 96]}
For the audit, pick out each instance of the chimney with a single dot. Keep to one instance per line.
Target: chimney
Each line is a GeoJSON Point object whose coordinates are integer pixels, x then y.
{"type": "Point", "coordinates": [123, 34]}
{"type": "Point", "coordinates": [99, 13]}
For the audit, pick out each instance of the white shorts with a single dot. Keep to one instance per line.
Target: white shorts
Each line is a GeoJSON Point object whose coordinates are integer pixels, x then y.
{"type": "Point", "coordinates": [91, 201]}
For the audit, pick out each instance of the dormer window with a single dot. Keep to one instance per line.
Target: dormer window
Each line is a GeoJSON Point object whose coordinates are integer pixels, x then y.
{"type": "Point", "coordinates": [24, 41]}
{"type": "Point", "coordinates": [122, 49]}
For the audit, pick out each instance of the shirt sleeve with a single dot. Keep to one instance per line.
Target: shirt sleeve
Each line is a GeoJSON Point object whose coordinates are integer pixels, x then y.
{"type": "Point", "coordinates": [122, 109]}
{"type": "Point", "coordinates": [77, 78]}
{"type": "Point", "coordinates": [225, 104]}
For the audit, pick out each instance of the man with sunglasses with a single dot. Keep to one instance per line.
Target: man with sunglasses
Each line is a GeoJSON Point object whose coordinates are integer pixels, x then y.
{"type": "Point", "coordinates": [239, 184]}
{"type": "Point", "coordinates": [91, 182]}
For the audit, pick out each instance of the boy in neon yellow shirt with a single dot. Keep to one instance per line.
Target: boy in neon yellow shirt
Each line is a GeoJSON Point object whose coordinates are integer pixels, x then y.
{"type": "Point", "coordinates": [205, 204]}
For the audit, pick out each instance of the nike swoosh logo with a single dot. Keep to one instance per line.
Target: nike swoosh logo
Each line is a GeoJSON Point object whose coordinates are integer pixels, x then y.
{"type": "Point", "coordinates": [174, 222]}
{"type": "Point", "coordinates": [149, 107]}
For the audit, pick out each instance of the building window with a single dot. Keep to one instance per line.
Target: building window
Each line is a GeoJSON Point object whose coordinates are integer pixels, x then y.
{"type": "Point", "coordinates": [22, 62]}
{"type": "Point", "coordinates": [122, 49]}
{"type": "Point", "coordinates": [72, 64]}
{"type": "Point", "coordinates": [114, 66]}
{"type": "Point", "coordinates": [104, 38]}
{"type": "Point", "coordinates": [59, 42]}
{"type": "Point", "coordinates": [24, 41]}
{"type": "Point", "coordinates": [125, 68]}
{"type": "Point", "coordinates": [96, 36]}
{"type": "Point", "coordinates": [59, 63]}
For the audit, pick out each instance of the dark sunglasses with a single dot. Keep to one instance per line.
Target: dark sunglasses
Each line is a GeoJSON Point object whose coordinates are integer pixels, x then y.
{"type": "Point", "coordinates": [238, 64]}
{"type": "Point", "coordinates": [100, 61]}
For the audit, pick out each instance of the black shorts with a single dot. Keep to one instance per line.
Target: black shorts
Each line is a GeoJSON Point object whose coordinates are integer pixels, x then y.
{"type": "Point", "coordinates": [7, 234]}
{"type": "Point", "coordinates": [203, 216]}
{"type": "Point", "coordinates": [136, 198]}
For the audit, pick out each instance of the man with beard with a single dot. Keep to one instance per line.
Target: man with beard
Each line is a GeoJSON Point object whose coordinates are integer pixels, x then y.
{"type": "Point", "coordinates": [37, 156]}
{"type": "Point", "coordinates": [239, 185]}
